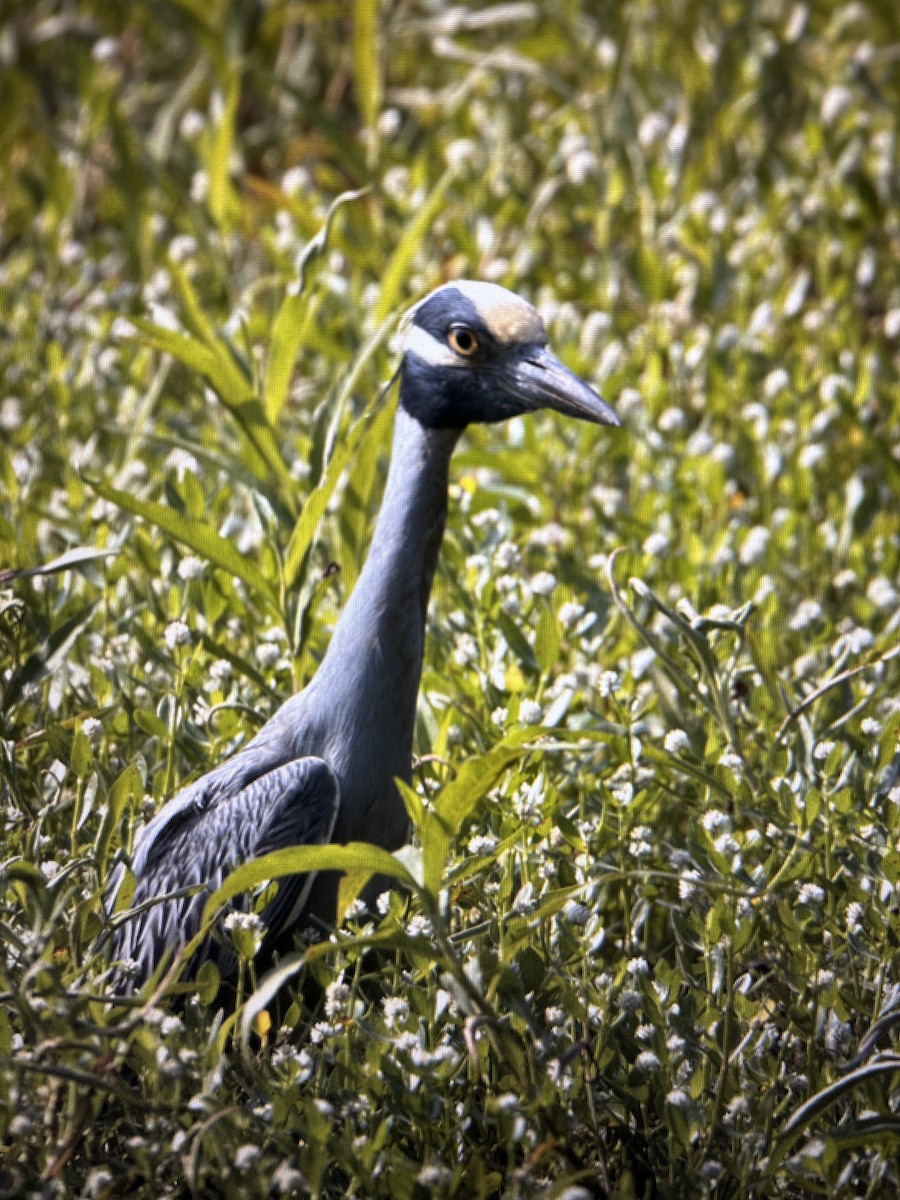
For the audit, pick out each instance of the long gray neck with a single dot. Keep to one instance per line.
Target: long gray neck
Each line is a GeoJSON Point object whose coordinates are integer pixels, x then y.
{"type": "Point", "coordinates": [375, 655]}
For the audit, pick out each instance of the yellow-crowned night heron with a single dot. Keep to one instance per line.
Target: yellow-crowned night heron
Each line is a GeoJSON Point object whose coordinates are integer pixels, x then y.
{"type": "Point", "coordinates": [323, 768]}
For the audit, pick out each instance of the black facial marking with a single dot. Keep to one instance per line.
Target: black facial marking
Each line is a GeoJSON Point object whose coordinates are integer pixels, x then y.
{"type": "Point", "coordinates": [442, 397]}
{"type": "Point", "coordinates": [450, 307]}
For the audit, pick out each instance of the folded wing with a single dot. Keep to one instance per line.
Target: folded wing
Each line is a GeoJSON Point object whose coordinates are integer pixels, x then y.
{"type": "Point", "coordinates": [220, 822]}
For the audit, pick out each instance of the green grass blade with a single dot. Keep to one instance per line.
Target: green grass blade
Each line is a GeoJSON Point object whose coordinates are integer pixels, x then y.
{"type": "Point", "coordinates": [296, 860]}
{"type": "Point", "coordinates": [458, 799]}
{"type": "Point", "coordinates": [367, 64]}
{"type": "Point", "coordinates": [396, 273]}
{"type": "Point", "coordinates": [195, 534]}
{"type": "Point", "coordinates": [363, 438]}
{"type": "Point", "coordinates": [221, 199]}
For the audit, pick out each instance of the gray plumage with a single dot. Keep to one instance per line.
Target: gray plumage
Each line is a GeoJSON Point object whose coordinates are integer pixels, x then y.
{"type": "Point", "coordinates": [323, 767]}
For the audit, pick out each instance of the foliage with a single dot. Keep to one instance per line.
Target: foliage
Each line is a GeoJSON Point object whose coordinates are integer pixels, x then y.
{"type": "Point", "coordinates": [648, 943]}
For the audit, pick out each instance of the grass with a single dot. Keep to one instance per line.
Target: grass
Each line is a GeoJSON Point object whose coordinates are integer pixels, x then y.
{"type": "Point", "coordinates": [648, 944]}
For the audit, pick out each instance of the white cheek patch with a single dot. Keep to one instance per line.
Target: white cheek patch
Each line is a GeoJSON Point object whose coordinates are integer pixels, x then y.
{"type": "Point", "coordinates": [430, 350]}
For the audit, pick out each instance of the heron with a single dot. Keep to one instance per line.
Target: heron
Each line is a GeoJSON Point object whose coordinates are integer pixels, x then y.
{"type": "Point", "coordinates": [324, 767]}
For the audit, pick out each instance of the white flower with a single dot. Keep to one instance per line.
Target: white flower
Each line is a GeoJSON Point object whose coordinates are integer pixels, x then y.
{"type": "Point", "coordinates": [726, 844]}
{"type": "Point", "coordinates": [462, 153]}
{"type": "Point", "coordinates": [99, 1179]}
{"type": "Point", "coordinates": [122, 328]}
{"type": "Point", "coordinates": [731, 760]}
{"type": "Point", "coordinates": [482, 843]}
{"type": "Point", "coordinates": [466, 650]}
{"type": "Point", "coordinates": [811, 895]}
{"type": "Point", "coordinates": [570, 613]}
{"type": "Point", "coordinates": [105, 49]}
{"type": "Point", "coordinates": [199, 189]}
{"type": "Point", "coordinates": [652, 129]}
{"type": "Point", "coordinates": [543, 584]}
{"type": "Point", "coordinates": [524, 901]}
{"type": "Point", "coordinates": [607, 52]}
{"type": "Point", "coordinates": [672, 420]}
{"type": "Point", "coordinates": [267, 654]}
{"type": "Point", "coordinates": [656, 545]}
{"type": "Point", "coordinates": [836, 101]}
{"type": "Point", "coordinates": [287, 1179]}
{"type": "Point", "coordinates": [530, 713]}
{"type": "Point", "coordinates": [811, 455]}
{"type": "Point", "coordinates": [182, 462]}
{"type": "Point", "coordinates": [337, 994]}
{"type": "Point", "coordinates": [576, 913]}
{"type": "Point", "coordinates": [755, 545]}
{"type": "Point", "coordinates": [191, 124]}
{"type": "Point", "coordinates": [793, 301]}
{"type": "Point", "coordinates": [177, 634]}
{"type": "Point", "coordinates": [806, 614]}
{"type": "Point", "coordinates": [775, 382]}
{"type": "Point", "coordinates": [529, 798]}
{"type": "Point", "coordinates": [823, 749]}
{"type": "Point", "coordinates": [715, 819]}
{"type": "Point", "coordinates": [182, 247]}
{"type": "Point", "coordinates": [882, 593]}
{"type": "Point", "coordinates": [676, 741]}
{"type": "Point", "coordinates": [647, 1061]}
{"type": "Point", "coordinates": [499, 715]}
{"type": "Point", "coordinates": [580, 166]}
{"type": "Point", "coordinates": [639, 845]}
{"type": "Point", "coordinates": [395, 1010]}
{"type": "Point", "coordinates": [247, 1156]}
{"type": "Point", "coordinates": [678, 1098]}
{"type": "Point", "coordinates": [855, 916]}
{"type": "Point", "coordinates": [434, 1175]}
{"type": "Point", "coordinates": [507, 556]}
{"type": "Point", "coordinates": [191, 567]}
{"type": "Point", "coordinates": [608, 684]}
{"type": "Point", "coordinates": [686, 889]}
{"type": "Point", "coordinates": [93, 730]}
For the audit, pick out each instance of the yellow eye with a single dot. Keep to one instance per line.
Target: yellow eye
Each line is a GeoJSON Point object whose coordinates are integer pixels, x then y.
{"type": "Point", "coordinates": [463, 340]}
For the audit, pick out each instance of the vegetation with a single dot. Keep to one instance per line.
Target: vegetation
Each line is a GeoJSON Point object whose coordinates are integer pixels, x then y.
{"type": "Point", "coordinates": [648, 940]}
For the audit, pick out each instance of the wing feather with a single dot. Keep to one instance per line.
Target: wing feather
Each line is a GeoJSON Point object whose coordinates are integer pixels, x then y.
{"type": "Point", "coordinates": [210, 831]}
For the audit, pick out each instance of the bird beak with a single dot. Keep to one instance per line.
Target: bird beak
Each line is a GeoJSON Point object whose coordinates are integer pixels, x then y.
{"type": "Point", "coordinates": [538, 379]}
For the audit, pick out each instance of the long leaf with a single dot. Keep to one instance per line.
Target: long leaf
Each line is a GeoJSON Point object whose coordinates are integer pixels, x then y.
{"type": "Point", "coordinates": [217, 364]}
{"type": "Point", "coordinates": [366, 61]}
{"type": "Point", "coordinates": [294, 316]}
{"type": "Point", "coordinates": [78, 556]}
{"type": "Point", "coordinates": [363, 438]}
{"type": "Point", "coordinates": [219, 161]}
{"type": "Point", "coordinates": [126, 788]}
{"type": "Point", "coordinates": [296, 860]}
{"type": "Point", "coordinates": [817, 1104]}
{"type": "Point", "coordinates": [458, 799]}
{"type": "Point", "coordinates": [195, 534]}
{"type": "Point", "coordinates": [397, 271]}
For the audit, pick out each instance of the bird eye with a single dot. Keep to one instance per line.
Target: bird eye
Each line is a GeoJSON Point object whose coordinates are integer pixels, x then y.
{"type": "Point", "coordinates": [463, 340]}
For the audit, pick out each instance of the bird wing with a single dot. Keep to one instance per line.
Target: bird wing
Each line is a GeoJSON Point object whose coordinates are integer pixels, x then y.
{"type": "Point", "coordinates": [208, 834]}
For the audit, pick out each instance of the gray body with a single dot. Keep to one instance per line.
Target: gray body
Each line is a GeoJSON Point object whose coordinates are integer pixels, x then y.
{"type": "Point", "coordinates": [323, 767]}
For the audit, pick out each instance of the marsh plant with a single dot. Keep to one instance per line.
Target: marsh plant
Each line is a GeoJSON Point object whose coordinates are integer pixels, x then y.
{"type": "Point", "coordinates": [645, 937]}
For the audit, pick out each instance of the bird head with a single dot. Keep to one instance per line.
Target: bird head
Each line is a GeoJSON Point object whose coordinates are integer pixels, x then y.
{"type": "Point", "coordinates": [477, 352]}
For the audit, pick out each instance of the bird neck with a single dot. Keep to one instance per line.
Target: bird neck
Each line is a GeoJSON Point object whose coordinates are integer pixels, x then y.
{"type": "Point", "coordinates": [377, 647]}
